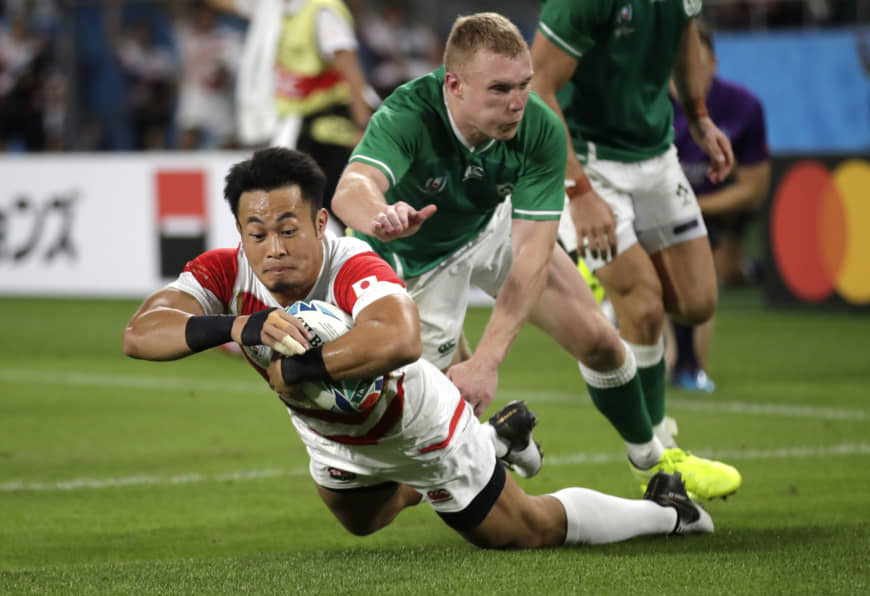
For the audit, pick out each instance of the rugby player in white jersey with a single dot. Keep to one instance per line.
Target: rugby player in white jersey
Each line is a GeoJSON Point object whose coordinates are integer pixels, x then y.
{"type": "Point", "coordinates": [420, 440]}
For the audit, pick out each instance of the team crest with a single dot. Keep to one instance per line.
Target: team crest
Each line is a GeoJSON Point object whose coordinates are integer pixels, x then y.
{"type": "Point", "coordinates": [473, 173]}
{"type": "Point", "coordinates": [623, 22]}
{"type": "Point", "coordinates": [625, 14]}
{"type": "Point", "coordinates": [692, 7]}
{"type": "Point", "coordinates": [435, 185]}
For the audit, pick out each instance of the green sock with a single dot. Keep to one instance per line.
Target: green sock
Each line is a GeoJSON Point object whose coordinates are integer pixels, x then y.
{"type": "Point", "coordinates": [652, 379]}
{"type": "Point", "coordinates": [624, 407]}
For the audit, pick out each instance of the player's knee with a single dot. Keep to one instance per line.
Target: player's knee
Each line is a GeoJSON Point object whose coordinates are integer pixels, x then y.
{"type": "Point", "coordinates": [698, 309]}
{"type": "Point", "coordinates": [648, 315]}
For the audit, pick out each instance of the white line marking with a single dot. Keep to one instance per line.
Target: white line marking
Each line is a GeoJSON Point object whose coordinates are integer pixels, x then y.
{"type": "Point", "coordinates": [133, 382]}
{"type": "Point", "coordinates": [551, 460]}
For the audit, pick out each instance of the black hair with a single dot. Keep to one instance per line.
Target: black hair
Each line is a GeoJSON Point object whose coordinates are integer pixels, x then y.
{"type": "Point", "coordinates": [272, 168]}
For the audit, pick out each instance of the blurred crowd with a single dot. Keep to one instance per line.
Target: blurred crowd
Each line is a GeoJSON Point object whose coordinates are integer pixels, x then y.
{"type": "Point", "coordinates": [79, 75]}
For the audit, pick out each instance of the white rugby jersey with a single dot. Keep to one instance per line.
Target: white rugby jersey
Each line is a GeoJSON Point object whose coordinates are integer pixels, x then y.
{"type": "Point", "coordinates": [352, 277]}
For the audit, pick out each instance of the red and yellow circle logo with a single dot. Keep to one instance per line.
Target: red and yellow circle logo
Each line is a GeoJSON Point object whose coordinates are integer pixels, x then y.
{"type": "Point", "coordinates": [820, 231]}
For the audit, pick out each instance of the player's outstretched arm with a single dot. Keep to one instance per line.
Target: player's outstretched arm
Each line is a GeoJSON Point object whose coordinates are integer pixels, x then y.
{"type": "Point", "coordinates": [171, 324]}
{"type": "Point", "coordinates": [360, 202]}
{"type": "Point", "coordinates": [533, 242]}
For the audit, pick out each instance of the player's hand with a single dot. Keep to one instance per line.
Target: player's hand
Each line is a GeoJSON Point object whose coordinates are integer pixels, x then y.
{"type": "Point", "coordinates": [595, 225]}
{"type": "Point", "coordinates": [400, 220]}
{"type": "Point", "coordinates": [476, 383]}
{"type": "Point", "coordinates": [717, 147]}
{"type": "Point", "coordinates": [278, 329]}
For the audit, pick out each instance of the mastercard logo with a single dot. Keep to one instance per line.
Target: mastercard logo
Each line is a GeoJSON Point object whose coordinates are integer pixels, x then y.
{"type": "Point", "coordinates": [820, 231]}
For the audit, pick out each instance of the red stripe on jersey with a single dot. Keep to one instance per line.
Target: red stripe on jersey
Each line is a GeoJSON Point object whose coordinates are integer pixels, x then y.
{"type": "Point", "coordinates": [216, 271]}
{"type": "Point", "coordinates": [357, 274]}
{"type": "Point", "coordinates": [453, 422]}
{"type": "Point", "coordinates": [390, 417]}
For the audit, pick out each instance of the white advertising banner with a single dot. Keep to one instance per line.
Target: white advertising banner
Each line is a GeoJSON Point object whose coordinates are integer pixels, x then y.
{"type": "Point", "coordinates": [108, 224]}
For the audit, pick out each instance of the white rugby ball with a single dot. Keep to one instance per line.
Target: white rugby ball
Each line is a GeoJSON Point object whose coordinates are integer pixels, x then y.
{"type": "Point", "coordinates": [326, 322]}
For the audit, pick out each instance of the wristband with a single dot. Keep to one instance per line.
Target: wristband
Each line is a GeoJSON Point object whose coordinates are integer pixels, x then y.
{"type": "Point", "coordinates": [207, 331]}
{"type": "Point", "coordinates": [253, 329]}
{"type": "Point", "coordinates": [305, 367]}
{"type": "Point", "coordinates": [697, 109]}
{"type": "Point", "coordinates": [577, 186]}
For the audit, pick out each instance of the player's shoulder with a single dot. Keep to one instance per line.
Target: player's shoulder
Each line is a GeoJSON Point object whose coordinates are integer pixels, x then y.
{"type": "Point", "coordinates": [734, 91]}
{"type": "Point", "coordinates": [416, 96]}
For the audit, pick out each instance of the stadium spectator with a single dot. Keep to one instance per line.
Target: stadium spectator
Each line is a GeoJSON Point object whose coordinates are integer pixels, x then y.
{"type": "Point", "coordinates": [150, 72]}
{"type": "Point", "coordinates": [727, 206]}
{"type": "Point", "coordinates": [428, 188]}
{"type": "Point", "coordinates": [209, 61]}
{"type": "Point", "coordinates": [24, 59]}
{"type": "Point", "coordinates": [419, 439]}
{"type": "Point", "coordinates": [638, 224]}
{"type": "Point", "coordinates": [300, 82]}
{"type": "Point", "coordinates": [401, 49]}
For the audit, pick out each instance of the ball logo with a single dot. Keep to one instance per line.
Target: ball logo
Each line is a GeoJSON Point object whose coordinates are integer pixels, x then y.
{"type": "Point", "coordinates": [820, 231]}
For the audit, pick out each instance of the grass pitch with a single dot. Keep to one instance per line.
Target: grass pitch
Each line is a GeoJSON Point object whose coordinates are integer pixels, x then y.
{"type": "Point", "coordinates": [120, 477]}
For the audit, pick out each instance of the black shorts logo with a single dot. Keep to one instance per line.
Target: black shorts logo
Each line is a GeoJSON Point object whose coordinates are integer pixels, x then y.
{"type": "Point", "coordinates": [340, 475]}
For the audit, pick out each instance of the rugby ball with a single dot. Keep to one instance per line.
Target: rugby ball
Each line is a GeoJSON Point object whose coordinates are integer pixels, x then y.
{"type": "Point", "coordinates": [326, 322]}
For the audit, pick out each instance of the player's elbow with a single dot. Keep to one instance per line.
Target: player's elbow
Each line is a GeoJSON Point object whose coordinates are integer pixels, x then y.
{"type": "Point", "coordinates": [406, 347]}
{"type": "Point", "coordinates": [132, 346]}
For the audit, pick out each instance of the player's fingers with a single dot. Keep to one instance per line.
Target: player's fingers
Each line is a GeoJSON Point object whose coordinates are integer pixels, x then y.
{"type": "Point", "coordinates": [289, 347]}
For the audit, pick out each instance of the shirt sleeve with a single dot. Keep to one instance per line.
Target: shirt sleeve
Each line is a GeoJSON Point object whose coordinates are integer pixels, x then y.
{"type": "Point", "coordinates": [334, 34]}
{"type": "Point", "coordinates": [570, 24]}
{"type": "Point", "coordinates": [390, 140]}
{"type": "Point", "coordinates": [540, 191]}
{"type": "Point", "coordinates": [210, 278]}
{"type": "Point", "coordinates": [364, 279]}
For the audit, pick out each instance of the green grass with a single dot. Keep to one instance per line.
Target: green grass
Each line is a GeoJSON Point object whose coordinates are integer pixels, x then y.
{"type": "Point", "coordinates": [120, 477]}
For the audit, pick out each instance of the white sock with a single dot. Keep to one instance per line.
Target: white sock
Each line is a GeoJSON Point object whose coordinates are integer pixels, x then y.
{"type": "Point", "coordinates": [645, 455]}
{"type": "Point", "coordinates": [665, 431]}
{"type": "Point", "coordinates": [597, 518]}
{"type": "Point", "coordinates": [501, 446]}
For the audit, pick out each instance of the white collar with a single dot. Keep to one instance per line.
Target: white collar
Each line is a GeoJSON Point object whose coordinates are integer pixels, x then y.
{"type": "Point", "coordinates": [471, 148]}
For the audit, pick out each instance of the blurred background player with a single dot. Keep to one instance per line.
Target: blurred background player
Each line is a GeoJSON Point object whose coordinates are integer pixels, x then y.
{"type": "Point", "coordinates": [300, 82]}
{"type": "Point", "coordinates": [604, 67]}
{"type": "Point", "coordinates": [728, 206]}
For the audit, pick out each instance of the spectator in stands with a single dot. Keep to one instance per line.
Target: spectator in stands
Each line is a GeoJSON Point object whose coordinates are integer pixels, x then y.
{"type": "Point", "coordinates": [209, 60]}
{"type": "Point", "coordinates": [23, 63]}
{"type": "Point", "coordinates": [150, 71]}
{"type": "Point", "coordinates": [401, 49]}
{"type": "Point", "coordinates": [727, 206]}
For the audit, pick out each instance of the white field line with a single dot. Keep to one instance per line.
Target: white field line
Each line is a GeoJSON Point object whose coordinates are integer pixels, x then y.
{"type": "Point", "coordinates": [138, 382]}
{"type": "Point", "coordinates": [796, 452]}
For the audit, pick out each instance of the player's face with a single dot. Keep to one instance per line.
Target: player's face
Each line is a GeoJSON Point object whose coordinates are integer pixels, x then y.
{"type": "Point", "coordinates": [492, 91]}
{"type": "Point", "coordinates": [281, 242]}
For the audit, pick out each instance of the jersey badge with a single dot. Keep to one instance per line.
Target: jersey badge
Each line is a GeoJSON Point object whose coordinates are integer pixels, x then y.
{"type": "Point", "coordinates": [623, 21]}
{"type": "Point", "coordinates": [435, 185]}
{"type": "Point", "coordinates": [473, 173]}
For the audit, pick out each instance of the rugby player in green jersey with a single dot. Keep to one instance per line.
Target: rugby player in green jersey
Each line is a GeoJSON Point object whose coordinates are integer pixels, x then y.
{"type": "Point", "coordinates": [459, 180]}
{"type": "Point", "coordinates": [604, 68]}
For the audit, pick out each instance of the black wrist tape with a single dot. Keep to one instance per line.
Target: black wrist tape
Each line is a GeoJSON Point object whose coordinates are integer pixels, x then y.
{"type": "Point", "coordinates": [305, 367]}
{"type": "Point", "coordinates": [207, 331]}
{"type": "Point", "coordinates": [254, 327]}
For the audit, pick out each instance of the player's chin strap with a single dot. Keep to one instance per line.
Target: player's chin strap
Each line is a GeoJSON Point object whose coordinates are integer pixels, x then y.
{"type": "Point", "coordinates": [305, 367]}
{"type": "Point", "coordinates": [207, 331]}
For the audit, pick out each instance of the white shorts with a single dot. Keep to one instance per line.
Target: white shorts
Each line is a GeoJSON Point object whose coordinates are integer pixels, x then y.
{"type": "Point", "coordinates": [438, 448]}
{"type": "Point", "coordinates": [653, 202]}
{"type": "Point", "coordinates": [441, 294]}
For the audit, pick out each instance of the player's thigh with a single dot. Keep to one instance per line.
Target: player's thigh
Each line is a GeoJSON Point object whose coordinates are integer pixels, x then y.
{"type": "Point", "coordinates": [569, 313]}
{"type": "Point", "coordinates": [518, 520]}
{"type": "Point", "coordinates": [688, 280]}
{"type": "Point", "coordinates": [366, 510]}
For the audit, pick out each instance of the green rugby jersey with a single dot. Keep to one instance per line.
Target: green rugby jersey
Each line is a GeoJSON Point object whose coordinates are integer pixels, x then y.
{"type": "Point", "coordinates": [412, 141]}
{"type": "Point", "coordinates": [616, 102]}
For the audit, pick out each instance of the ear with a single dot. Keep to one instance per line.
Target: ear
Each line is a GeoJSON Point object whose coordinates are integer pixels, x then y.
{"type": "Point", "coordinates": [320, 224]}
{"type": "Point", "coordinates": [453, 84]}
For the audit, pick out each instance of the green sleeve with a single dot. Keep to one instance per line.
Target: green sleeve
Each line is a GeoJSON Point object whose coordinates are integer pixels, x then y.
{"type": "Point", "coordinates": [570, 24]}
{"type": "Point", "coordinates": [540, 191]}
{"type": "Point", "coordinates": [390, 141]}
